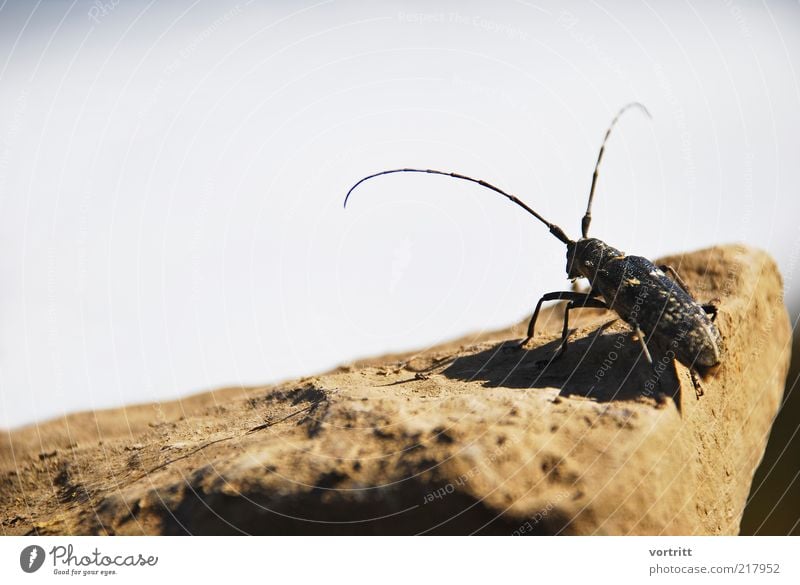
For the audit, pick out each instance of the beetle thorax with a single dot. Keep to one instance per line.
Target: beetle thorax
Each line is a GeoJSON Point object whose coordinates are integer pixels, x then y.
{"type": "Point", "coordinates": [588, 255]}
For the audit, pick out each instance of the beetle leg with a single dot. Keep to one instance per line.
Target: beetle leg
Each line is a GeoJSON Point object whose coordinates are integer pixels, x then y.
{"type": "Point", "coordinates": [577, 300]}
{"type": "Point", "coordinates": [698, 387]}
{"type": "Point", "coordinates": [588, 303]}
{"type": "Point", "coordinates": [711, 309]}
{"type": "Point", "coordinates": [676, 277]}
{"type": "Point", "coordinates": [645, 351]}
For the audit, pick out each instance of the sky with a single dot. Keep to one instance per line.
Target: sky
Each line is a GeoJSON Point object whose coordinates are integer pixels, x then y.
{"type": "Point", "coordinates": [172, 175]}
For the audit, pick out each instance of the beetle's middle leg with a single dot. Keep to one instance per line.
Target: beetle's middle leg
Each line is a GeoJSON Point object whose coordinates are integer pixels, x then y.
{"type": "Point", "coordinates": [577, 301]}
{"type": "Point", "coordinates": [640, 334]}
{"type": "Point", "coordinates": [647, 356]}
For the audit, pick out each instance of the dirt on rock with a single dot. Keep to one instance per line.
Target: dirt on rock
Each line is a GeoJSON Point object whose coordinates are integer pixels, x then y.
{"type": "Point", "coordinates": [466, 437]}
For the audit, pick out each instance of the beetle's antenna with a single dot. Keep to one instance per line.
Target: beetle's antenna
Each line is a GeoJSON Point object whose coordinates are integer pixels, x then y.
{"type": "Point", "coordinates": [554, 229]}
{"type": "Point", "coordinates": [587, 218]}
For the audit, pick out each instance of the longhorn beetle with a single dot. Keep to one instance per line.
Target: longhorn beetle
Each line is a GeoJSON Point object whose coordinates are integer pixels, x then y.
{"type": "Point", "coordinates": [661, 311]}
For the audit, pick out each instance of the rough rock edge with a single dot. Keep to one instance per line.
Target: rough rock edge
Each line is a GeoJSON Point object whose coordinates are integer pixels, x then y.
{"type": "Point", "coordinates": [417, 443]}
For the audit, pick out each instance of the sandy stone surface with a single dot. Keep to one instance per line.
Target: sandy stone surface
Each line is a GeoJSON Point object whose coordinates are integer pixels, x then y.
{"type": "Point", "coordinates": [466, 437]}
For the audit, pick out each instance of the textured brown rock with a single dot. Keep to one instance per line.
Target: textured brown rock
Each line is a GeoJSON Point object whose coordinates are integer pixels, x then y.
{"type": "Point", "coordinates": [465, 437]}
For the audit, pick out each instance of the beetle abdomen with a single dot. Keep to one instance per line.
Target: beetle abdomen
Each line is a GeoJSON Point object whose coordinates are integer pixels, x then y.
{"type": "Point", "coordinates": [672, 321]}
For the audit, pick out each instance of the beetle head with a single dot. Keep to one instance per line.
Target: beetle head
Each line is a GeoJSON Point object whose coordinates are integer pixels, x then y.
{"type": "Point", "coordinates": [588, 255]}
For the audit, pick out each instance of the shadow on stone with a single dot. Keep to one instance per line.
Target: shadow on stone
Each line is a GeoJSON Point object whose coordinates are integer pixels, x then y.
{"type": "Point", "coordinates": [602, 365]}
{"type": "Point", "coordinates": [397, 510]}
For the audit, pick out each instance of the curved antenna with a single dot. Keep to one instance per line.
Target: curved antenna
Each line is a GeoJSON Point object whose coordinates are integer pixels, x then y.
{"type": "Point", "coordinates": [587, 217]}
{"type": "Point", "coordinates": [554, 229]}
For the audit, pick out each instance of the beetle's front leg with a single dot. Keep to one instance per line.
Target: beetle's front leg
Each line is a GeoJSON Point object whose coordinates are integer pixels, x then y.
{"type": "Point", "coordinates": [588, 304]}
{"type": "Point", "coordinates": [577, 300]}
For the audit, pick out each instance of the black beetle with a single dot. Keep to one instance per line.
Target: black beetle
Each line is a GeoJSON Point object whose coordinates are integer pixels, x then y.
{"type": "Point", "coordinates": [660, 310]}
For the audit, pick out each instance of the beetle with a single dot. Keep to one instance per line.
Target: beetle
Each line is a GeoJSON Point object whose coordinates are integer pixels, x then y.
{"type": "Point", "coordinates": [660, 310]}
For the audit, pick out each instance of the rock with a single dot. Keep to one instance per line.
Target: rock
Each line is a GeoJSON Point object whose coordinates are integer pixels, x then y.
{"type": "Point", "coordinates": [461, 438]}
